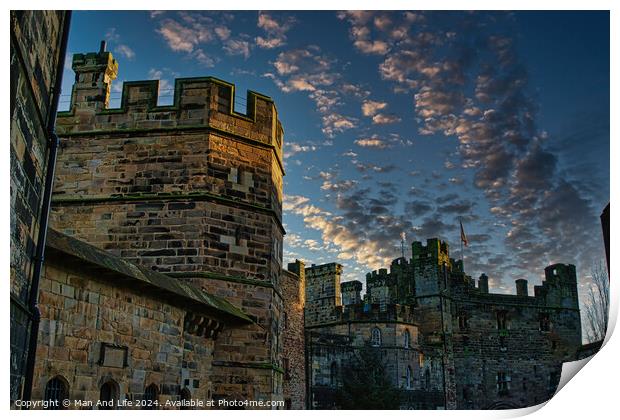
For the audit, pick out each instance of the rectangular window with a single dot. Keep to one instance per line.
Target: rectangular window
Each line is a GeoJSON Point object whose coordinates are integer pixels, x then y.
{"type": "Point", "coordinates": [545, 323]}
{"type": "Point", "coordinates": [503, 382]}
{"type": "Point", "coordinates": [463, 321]}
{"type": "Point", "coordinates": [287, 373]}
{"type": "Point", "coordinates": [502, 324]}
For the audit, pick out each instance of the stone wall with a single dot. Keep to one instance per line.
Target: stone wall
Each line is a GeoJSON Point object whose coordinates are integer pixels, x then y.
{"type": "Point", "coordinates": [36, 38]}
{"type": "Point", "coordinates": [84, 318]}
{"type": "Point", "coordinates": [294, 363]}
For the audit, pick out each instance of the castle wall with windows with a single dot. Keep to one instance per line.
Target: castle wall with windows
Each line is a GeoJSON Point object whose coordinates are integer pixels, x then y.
{"type": "Point", "coordinates": [469, 349]}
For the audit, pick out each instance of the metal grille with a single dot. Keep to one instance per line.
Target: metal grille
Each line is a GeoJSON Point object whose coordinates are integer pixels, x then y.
{"type": "Point", "coordinates": [55, 391]}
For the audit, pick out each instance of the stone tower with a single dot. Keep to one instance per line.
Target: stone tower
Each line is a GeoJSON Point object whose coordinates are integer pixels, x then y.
{"type": "Point", "coordinates": [322, 293]}
{"type": "Point", "coordinates": [351, 292]}
{"type": "Point", "coordinates": [194, 190]}
{"type": "Point", "coordinates": [430, 265]}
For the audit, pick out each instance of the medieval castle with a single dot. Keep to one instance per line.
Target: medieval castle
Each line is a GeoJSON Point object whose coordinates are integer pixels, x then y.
{"type": "Point", "coordinates": [163, 279]}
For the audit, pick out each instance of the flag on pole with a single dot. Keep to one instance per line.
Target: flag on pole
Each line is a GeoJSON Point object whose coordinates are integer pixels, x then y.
{"type": "Point", "coordinates": [463, 236]}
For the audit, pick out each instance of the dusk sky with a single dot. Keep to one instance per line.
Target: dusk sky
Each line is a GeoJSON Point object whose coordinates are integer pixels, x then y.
{"type": "Point", "coordinates": [404, 122]}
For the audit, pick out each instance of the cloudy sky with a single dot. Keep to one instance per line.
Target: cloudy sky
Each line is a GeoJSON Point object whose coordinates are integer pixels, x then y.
{"type": "Point", "coordinates": [405, 121]}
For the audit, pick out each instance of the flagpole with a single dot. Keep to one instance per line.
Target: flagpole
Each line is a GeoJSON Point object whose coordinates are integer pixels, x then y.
{"type": "Point", "coordinates": [462, 256]}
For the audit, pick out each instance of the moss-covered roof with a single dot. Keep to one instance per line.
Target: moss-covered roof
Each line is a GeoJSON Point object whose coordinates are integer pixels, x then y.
{"type": "Point", "coordinates": [143, 278]}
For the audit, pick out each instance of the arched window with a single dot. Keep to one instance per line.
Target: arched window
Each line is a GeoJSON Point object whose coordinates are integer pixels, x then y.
{"type": "Point", "coordinates": [333, 374]}
{"type": "Point", "coordinates": [56, 390]}
{"type": "Point", "coordinates": [108, 395]}
{"type": "Point", "coordinates": [409, 378]}
{"type": "Point", "coordinates": [427, 379]}
{"type": "Point", "coordinates": [185, 396]}
{"type": "Point", "coordinates": [376, 337]}
{"type": "Point", "coordinates": [151, 395]}
{"type": "Point", "coordinates": [406, 339]}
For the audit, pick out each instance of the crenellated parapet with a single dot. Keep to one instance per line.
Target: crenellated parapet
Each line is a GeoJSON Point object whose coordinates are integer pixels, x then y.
{"type": "Point", "coordinates": [559, 289]}
{"type": "Point", "coordinates": [199, 103]}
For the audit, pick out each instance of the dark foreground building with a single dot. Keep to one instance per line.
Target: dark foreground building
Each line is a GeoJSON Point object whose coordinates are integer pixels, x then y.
{"type": "Point", "coordinates": [38, 42]}
{"type": "Point", "coordinates": [445, 341]}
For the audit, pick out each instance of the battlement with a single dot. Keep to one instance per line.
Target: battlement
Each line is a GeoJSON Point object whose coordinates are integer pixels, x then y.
{"type": "Point", "coordinates": [435, 251]}
{"type": "Point", "coordinates": [560, 286]}
{"type": "Point", "coordinates": [351, 286]}
{"type": "Point", "coordinates": [323, 269]}
{"type": "Point", "coordinates": [379, 278]}
{"type": "Point", "coordinates": [199, 102]}
{"type": "Point", "coordinates": [561, 273]}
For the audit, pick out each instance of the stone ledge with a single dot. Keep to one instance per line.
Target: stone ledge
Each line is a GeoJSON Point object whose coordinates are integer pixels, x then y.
{"type": "Point", "coordinates": [156, 282]}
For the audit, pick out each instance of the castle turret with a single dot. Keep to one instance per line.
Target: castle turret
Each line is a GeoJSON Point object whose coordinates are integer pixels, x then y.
{"type": "Point", "coordinates": [431, 263]}
{"type": "Point", "coordinates": [483, 283]}
{"type": "Point", "coordinates": [351, 292]}
{"type": "Point", "coordinates": [322, 293]}
{"type": "Point", "coordinates": [521, 287]}
{"type": "Point", "coordinates": [94, 73]}
{"type": "Point", "coordinates": [561, 286]}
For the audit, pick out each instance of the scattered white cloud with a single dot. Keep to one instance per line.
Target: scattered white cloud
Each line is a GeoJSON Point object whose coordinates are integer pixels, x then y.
{"type": "Point", "coordinates": [125, 51]}
{"type": "Point", "coordinates": [372, 142]}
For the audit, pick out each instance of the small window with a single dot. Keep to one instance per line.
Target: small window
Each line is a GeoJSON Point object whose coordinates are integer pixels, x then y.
{"type": "Point", "coordinates": [502, 343]}
{"type": "Point", "coordinates": [409, 378]}
{"type": "Point", "coordinates": [286, 366]}
{"type": "Point", "coordinates": [185, 397]}
{"type": "Point", "coordinates": [427, 379]}
{"type": "Point", "coordinates": [545, 322]}
{"type": "Point", "coordinates": [376, 337]}
{"type": "Point", "coordinates": [421, 359]}
{"type": "Point", "coordinates": [463, 321]}
{"type": "Point", "coordinates": [56, 391]}
{"type": "Point", "coordinates": [406, 339]}
{"type": "Point", "coordinates": [151, 397]}
{"type": "Point", "coordinates": [333, 374]}
{"type": "Point", "coordinates": [503, 382]}
{"type": "Point", "coordinates": [502, 324]}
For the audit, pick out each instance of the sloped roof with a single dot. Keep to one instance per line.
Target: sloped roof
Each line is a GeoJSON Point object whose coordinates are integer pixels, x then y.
{"type": "Point", "coordinates": [142, 278]}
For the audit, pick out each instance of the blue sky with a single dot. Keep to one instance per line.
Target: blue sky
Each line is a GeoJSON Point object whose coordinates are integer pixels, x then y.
{"type": "Point", "coordinates": [405, 121]}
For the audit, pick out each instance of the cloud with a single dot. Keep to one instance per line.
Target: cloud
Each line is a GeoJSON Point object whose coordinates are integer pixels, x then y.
{"type": "Point", "coordinates": [125, 51]}
{"type": "Point", "coordinates": [183, 38]}
{"type": "Point", "coordinates": [275, 29]}
{"type": "Point", "coordinates": [361, 34]}
{"type": "Point", "coordinates": [336, 123]}
{"type": "Point", "coordinates": [366, 167]}
{"type": "Point", "coordinates": [372, 142]}
{"type": "Point", "coordinates": [113, 37]}
{"type": "Point", "coordinates": [222, 32]}
{"type": "Point", "coordinates": [370, 108]}
{"type": "Point", "coordinates": [237, 47]}
{"type": "Point", "coordinates": [385, 119]}
{"type": "Point", "coordinates": [339, 186]}
{"type": "Point", "coordinates": [291, 149]}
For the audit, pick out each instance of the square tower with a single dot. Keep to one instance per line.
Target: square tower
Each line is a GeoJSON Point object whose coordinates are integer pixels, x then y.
{"type": "Point", "coordinates": [322, 293]}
